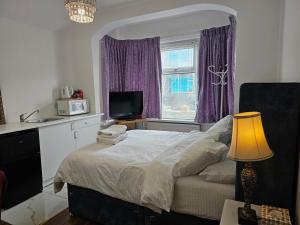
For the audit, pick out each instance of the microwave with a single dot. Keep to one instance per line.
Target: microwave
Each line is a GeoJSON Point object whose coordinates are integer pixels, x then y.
{"type": "Point", "coordinates": [71, 107]}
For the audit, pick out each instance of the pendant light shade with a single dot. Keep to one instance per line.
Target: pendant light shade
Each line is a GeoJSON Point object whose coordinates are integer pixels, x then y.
{"type": "Point", "coordinates": [81, 11]}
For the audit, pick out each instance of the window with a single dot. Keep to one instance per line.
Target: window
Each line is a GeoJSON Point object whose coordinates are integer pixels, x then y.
{"type": "Point", "coordinates": [179, 82]}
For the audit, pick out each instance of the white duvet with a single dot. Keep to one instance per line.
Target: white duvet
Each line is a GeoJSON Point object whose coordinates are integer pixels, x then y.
{"type": "Point", "coordinates": [139, 169]}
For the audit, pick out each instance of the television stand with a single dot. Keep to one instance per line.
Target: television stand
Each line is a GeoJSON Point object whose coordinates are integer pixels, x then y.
{"type": "Point", "coordinates": [132, 123]}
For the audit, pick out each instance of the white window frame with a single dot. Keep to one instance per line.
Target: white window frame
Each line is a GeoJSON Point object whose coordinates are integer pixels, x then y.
{"type": "Point", "coordinates": [183, 70]}
{"type": "Point", "coordinates": [180, 45]}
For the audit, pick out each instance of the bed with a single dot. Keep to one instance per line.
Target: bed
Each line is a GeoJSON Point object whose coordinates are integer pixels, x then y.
{"type": "Point", "coordinates": [193, 198]}
{"type": "Point", "coordinates": [200, 198]}
{"type": "Point", "coordinates": [199, 202]}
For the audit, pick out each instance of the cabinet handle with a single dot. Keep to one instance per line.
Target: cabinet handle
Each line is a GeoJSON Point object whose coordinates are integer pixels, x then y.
{"type": "Point", "coordinates": [75, 135]}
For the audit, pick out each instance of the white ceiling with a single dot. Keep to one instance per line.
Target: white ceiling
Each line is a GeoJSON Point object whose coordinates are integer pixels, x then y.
{"type": "Point", "coordinates": [105, 3]}
{"type": "Point", "coordinates": [48, 14]}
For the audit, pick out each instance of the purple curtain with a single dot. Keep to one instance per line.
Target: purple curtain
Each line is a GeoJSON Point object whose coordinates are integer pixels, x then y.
{"type": "Point", "coordinates": [132, 65]}
{"type": "Point", "coordinates": [217, 48]}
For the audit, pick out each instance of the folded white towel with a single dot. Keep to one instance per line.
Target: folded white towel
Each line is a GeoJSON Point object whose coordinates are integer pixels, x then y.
{"type": "Point", "coordinates": [113, 130]}
{"type": "Point", "coordinates": [115, 135]}
{"type": "Point", "coordinates": [112, 141]}
{"type": "Point", "coordinates": [109, 137]}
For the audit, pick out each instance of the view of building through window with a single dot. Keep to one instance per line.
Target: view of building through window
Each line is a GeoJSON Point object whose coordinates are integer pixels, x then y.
{"type": "Point", "coordinates": [179, 82]}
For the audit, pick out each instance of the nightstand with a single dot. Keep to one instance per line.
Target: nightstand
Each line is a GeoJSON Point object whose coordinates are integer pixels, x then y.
{"type": "Point", "coordinates": [230, 212]}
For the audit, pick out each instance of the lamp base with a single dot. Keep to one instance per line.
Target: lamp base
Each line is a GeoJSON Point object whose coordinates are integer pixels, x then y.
{"type": "Point", "coordinates": [247, 217]}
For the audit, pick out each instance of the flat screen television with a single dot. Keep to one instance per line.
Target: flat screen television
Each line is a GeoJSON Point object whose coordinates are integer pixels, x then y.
{"type": "Point", "coordinates": [125, 105]}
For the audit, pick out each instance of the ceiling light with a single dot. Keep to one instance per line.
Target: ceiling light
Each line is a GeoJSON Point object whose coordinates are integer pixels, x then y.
{"type": "Point", "coordinates": [81, 11]}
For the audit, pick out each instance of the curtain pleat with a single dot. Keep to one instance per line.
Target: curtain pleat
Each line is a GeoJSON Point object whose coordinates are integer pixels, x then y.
{"type": "Point", "coordinates": [132, 65]}
{"type": "Point", "coordinates": [217, 48]}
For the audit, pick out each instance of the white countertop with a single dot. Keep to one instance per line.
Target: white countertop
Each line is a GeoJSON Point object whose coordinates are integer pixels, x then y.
{"type": "Point", "coordinates": [17, 126]}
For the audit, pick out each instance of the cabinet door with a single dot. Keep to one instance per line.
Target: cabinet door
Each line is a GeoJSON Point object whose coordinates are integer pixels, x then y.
{"type": "Point", "coordinates": [56, 142]}
{"type": "Point", "coordinates": [86, 135]}
{"type": "Point", "coordinates": [20, 160]}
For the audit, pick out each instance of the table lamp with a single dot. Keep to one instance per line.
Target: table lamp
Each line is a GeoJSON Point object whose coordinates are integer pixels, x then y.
{"type": "Point", "coordinates": [248, 145]}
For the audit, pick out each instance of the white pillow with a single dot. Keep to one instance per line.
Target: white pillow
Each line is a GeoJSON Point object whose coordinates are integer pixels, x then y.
{"type": "Point", "coordinates": [222, 130]}
{"type": "Point", "coordinates": [189, 138]}
{"type": "Point", "coordinates": [197, 156]}
{"type": "Point", "coordinates": [222, 172]}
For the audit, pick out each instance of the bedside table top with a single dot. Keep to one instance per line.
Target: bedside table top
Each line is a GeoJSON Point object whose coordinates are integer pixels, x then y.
{"type": "Point", "coordinates": [230, 212]}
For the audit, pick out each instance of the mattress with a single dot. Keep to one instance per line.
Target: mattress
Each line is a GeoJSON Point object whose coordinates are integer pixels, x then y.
{"type": "Point", "coordinates": [128, 170]}
{"type": "Point", "coordinates": [197, 197]}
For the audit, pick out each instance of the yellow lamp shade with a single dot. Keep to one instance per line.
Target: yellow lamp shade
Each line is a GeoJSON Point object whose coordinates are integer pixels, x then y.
{"type": "Point", "coordinates": [248, 138]}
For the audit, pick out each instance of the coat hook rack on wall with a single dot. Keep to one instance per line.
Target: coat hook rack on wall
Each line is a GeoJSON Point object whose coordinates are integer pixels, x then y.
{"type": "Point", "coordinates": [221, 76]}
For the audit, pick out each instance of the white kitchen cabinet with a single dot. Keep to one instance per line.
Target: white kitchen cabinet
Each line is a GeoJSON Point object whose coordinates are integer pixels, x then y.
{"type": "Point", "coordinates": [85, 131]}
{"type": "Point", "coordinates": [56, 142]}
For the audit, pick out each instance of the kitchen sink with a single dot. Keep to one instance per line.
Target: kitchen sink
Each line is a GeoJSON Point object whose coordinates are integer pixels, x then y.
{"type": "Point", "coordinates": [44, 120]}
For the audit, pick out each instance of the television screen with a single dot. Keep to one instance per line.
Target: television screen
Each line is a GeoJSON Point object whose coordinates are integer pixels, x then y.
{"type": "Point", "coordinates": [125, 105]}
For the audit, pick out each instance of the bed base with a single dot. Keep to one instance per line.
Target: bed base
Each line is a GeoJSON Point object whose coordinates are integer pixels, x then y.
{"type": "Point", "coordinates": [105, 210]}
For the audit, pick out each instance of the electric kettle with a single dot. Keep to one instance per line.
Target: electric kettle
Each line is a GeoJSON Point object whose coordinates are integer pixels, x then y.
{"type": "Point", "coordinates": [66, 92]}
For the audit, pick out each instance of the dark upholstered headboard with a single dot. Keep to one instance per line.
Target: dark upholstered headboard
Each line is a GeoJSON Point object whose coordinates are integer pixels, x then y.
{"type": "Point", "coordinates": [279, 104]}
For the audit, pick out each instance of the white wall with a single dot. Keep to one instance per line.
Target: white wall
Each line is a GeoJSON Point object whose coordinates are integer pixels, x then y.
{"type": "Point", "coordinates": [28, 78]}
{"type": "Point", "coordinates": [257, 39]}
{"type": "Point", "coordinates": [74, 60]}
{"type": "Point", "coordinates": [290, 67]}
{"type": "Point", "coordinates": [174, 26]}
